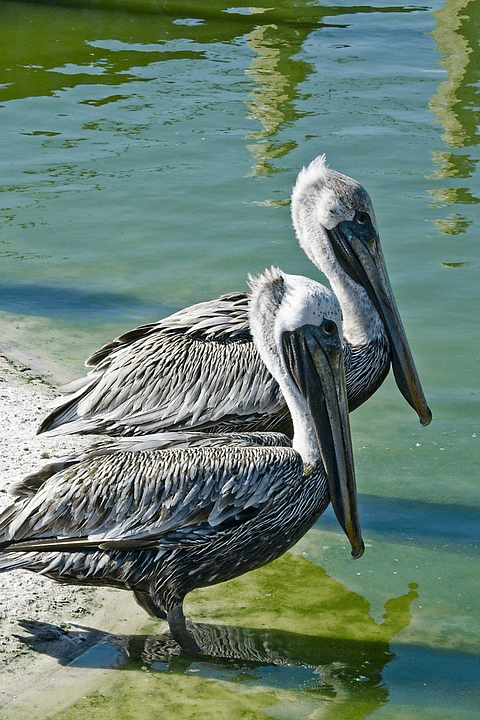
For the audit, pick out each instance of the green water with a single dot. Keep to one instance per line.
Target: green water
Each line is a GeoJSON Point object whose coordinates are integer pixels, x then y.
{"type": "Point", "coordinates": [147, 157]}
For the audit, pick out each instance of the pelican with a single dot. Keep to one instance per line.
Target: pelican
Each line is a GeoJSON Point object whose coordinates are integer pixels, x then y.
{"type": "Point", "coordinates": [162, 523]}
{"type": "Point", "coordinates": [199, 369]}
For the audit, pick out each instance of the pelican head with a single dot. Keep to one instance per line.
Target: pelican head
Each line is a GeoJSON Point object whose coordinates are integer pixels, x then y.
{"type": "Point", "coordinates": [296, 325]}
{"type": "Point", "coordinates": [335, 225]}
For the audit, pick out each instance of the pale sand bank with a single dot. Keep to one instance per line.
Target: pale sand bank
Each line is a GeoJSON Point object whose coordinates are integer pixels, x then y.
{"type": "Point", "coordinates": [37, 608]}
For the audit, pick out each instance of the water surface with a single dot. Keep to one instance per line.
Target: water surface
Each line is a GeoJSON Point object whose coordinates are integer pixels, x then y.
{"type": "Point", "coordinates": [147, 157]}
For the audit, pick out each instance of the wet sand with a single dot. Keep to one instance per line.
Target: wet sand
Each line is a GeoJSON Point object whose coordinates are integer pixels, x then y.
{"type": "Point", "coordinates": [42, 623]}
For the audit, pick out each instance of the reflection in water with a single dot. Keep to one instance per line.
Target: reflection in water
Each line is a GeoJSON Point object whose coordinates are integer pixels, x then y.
{"type": "Point", "coordinates": [276, 76]}
{"type": "Point", "coordinates": [331, 658]}
{"type": "Point", "coordinates": [328, 669]}
{"type": "Point", "coordinates": [32, 67]}
{"type": "Point", "coordinates": [456, 101]}
{"type": "Point", "coordinates": [277, 72]}
{"type": "Point", "coordinates": [456, 104]}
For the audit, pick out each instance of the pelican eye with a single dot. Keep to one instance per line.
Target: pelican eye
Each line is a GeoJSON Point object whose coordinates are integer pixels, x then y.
{"type": "Point", "coordinates": [329, 327]}
{"type": "Point", "coordinates": [362, 218]}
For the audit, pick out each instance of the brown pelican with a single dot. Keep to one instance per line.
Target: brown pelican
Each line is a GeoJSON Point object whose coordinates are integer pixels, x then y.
{"type": "Point", "coordinates": [198, 369]}
{"type": "Point", "coordinates": [162, 523]}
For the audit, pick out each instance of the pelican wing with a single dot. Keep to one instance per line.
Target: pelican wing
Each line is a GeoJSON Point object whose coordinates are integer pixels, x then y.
{"type": "Point", "coordinates": [31, 483]}
{"type": "Point", "coordinates": [141, 499]}
{"type": "Point", "coordinates": [197, 367]}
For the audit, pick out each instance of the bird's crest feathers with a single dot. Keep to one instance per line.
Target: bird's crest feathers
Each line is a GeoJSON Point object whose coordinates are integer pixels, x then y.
{"type": "Point", "coordinates": [333, 196]}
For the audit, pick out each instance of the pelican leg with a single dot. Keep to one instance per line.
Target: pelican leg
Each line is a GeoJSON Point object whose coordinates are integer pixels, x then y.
{"type": "Point", "coordinates": [178, 629]}
{"type": "Point", "coordinates": [145, 601]}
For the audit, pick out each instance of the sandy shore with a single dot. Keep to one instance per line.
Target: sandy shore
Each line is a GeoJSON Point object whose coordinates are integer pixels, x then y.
{"type": "Point", "coordinates": [24, 399]}
{"type": "Point", "coordinates": [37, 614]}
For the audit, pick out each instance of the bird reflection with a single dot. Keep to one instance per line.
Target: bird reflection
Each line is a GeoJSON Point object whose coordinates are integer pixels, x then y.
{"type": "Point", "coordinates": [243, 649]}
{"type": "Point", "coordinates": [329, 671]}
{"type": "Point", "coordinates": [323, 666]}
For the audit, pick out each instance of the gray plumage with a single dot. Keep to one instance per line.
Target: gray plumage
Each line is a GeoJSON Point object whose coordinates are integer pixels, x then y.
{"type": "Point", "coordinates": [199, 368]}
{"type": "Point", "coordinates": [163, 522]}
{"type": "Point", "coordinates": [156, 441]}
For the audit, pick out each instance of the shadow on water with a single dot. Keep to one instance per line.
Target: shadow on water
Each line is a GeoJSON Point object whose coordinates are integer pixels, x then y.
{"type": "Point", "coordinates": [75, 303]}
{"type": "Point", "coordinates": [426, 521]}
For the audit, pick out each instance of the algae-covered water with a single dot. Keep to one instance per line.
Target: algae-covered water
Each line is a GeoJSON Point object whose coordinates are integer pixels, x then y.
{"type": "Point", "coordinates": [148, 150]}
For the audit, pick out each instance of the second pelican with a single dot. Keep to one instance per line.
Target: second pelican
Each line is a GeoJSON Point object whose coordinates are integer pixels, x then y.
{"type": "Point", "coordinates": [199, 370]}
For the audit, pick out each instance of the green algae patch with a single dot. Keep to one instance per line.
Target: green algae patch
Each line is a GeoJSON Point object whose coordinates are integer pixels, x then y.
{"type": "Point", "coordinates": [285, 641]}
{"type": "Point", "coordinates": [161, 696]}
{"type": "Point", "coordinates": [296, 595]}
